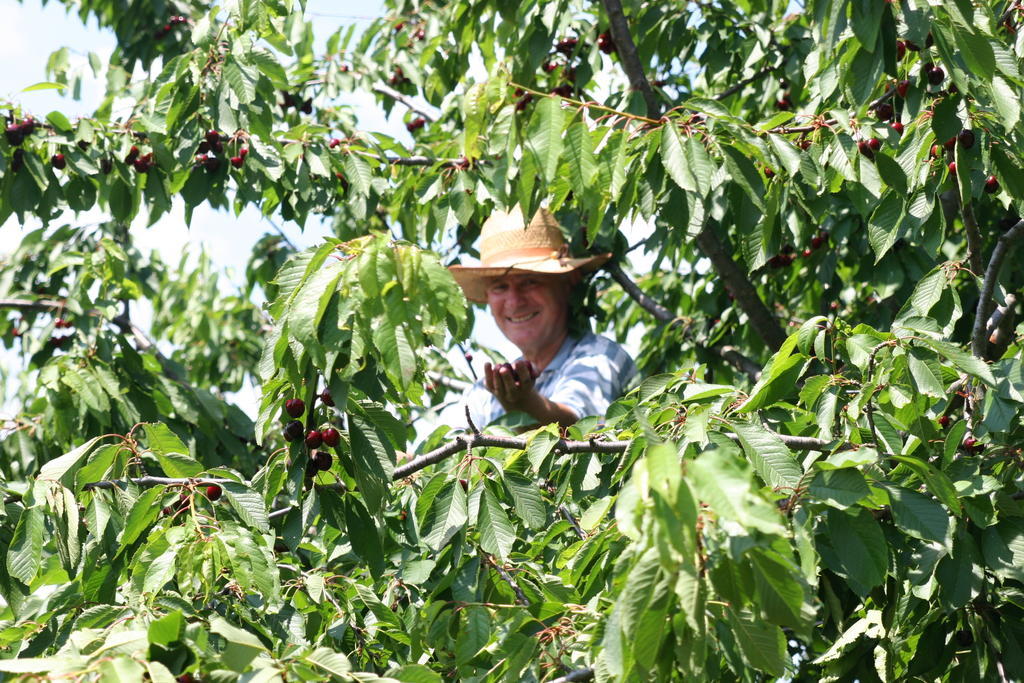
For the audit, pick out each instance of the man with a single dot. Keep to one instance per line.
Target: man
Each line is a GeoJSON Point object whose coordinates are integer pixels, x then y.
{"type": "Point", "coordinates": [527, 279]}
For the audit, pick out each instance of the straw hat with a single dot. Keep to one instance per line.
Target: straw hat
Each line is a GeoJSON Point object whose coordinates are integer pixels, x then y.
{"type": "Point", "coordinates": [507, 247]}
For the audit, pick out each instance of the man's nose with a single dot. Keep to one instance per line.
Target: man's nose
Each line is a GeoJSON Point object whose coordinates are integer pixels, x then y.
{"type": "Point", "coordinates": [515, 296]}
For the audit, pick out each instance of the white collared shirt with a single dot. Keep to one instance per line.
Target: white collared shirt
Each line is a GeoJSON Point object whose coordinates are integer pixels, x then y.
{"type": "Point", "coordinates": [586, 375]}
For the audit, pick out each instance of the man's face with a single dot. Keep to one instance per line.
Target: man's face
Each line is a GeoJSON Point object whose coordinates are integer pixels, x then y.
{"type": "Point", "coordinates": [531, 310]}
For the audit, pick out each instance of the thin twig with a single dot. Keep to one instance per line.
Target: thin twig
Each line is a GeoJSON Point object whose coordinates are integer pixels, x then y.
{"type": "Point", "coordinates": [586, 104]}
{"type": "Point", "coordinates": [744, 83]}
{"type": "Point", "coordinates": [280, 513]}
{"type": "Point", "coordinates": [1006, 240]}
{"type": "Point", "coordinates": [469, 421]}
{"type": "Point", "coordinates": [869, 408]}
{"type": "Point", "coordinates": [509, 579]}
{"type": "Point", "coordinates": [786, 130]}
{"type": "Point", "coordinates": [450, 382]}
{"type": "Point", "coordinates": [629, 58]}
{"type": "Point", "coordinates": [564, 511]}
{"type": "Point", "coordinates": [280, 231]}
{"type": "Point", "coordinates": [407, 101]}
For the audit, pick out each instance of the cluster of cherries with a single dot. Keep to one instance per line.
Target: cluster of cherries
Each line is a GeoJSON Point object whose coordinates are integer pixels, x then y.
{"type": "Point", "coordinates": [172, 21]}
{"type": "Point", "coordinates": [17, 132]}
{"type": "Point", "coordinates": [212, 144]}
{"type": "Point", "coordinates": [140, 162]}
{"type": "Point", "coordinates": [213, 493]}
{"type": "Point", "coordinates": [314, 438]}
{"type": "Point", "coordinates": [788, 253]}
{"type": "Point", "coordinates": [566, 47]}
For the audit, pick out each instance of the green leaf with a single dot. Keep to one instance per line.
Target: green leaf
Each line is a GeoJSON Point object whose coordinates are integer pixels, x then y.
{"type": "Point", "coordinates": [884, 223]}
{"type": "Point", "coordinates": [918, 515]}
{"type": "Point", "coordinates": [859, 545]}
{"type": "Point", "coordinates": [247, 504]}
{"type": "Point", "coordinates": [771, 458]}
{"type": "Point", "coordinates": [1007, 103]}
{"type": "Point", "coordinates": [762, 645]}
{"type": "Point", "coordinates": [44, 85]}
{"type": "Point", "coordinates": [63, 468]}
{"type": "Point", "coordinates": [474, 633]}
{"type": "Point", "coordinates": [527, 500]}
{"type": "Point", "coordinates": [929, 290]}
{"type": "Point", "coordinates": [59, 121]}
{"type": "Point", "coordinates": [978, 54]}
{"type": "Point", "coordinates": [24, 554]}
{"type": "Point", "coordinates": [936, 480]}
{"type": "Point", "coordinates": [960, 575]}
{"type": "Point", "coordinates": [780, 592]}
{"type": "Point", "coordinates": [925, 373]}
{"type": "Point", "coordinates": [374, 459]}
{"type": "Point", "coordinates": [169, 450]}
{"type": "Point", "coordinates": [673, 157]}
{"type": "Point", "coordinates": [242, 647]}
{"type": "Point", "coordinates": [544, 137]}
{"type": "Point", "coordinates": [970, 364]}
{"type": "Point", "coordinates": [778, 378]}
{"type": "Point", "coordinates": [357, 172]}
{"type": "Point", "coordinates": [446, 516]}
{"type": "Point", "coordinates": [363, 534]}
{"type": "Point", "coordinates": [143, 513]}
{"type": "Point", "coordinates": [242, 79]}
{"type": "Point", "coordinates": [580, 157]}
{"type": "Point", "coordinates": [840, 488]}
{"type": "Point", "coordinates": [1003, 546]}
{"type": "Point", "coordinates": [415, 673]}
{"type": "Point", "coordinates": [496, 533]}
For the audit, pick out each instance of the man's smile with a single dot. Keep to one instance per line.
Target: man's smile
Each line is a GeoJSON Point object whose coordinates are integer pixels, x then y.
{"type": "Point", "coordinates": [522, 318]}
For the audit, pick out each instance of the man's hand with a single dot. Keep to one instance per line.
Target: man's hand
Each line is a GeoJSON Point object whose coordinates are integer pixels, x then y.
{"type": "Point", "coordinates": [512, 385]}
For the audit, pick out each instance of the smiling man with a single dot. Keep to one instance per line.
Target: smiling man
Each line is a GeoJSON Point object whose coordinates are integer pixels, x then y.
{"type": "Point", "coordinates": [527, 280]}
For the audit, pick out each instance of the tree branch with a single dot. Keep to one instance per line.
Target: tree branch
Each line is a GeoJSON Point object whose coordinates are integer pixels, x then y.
{"type": "Point", "coordinates": [463, 442]}
{"type": "Point", "coordinates": [1000, 326]}
{"type": "Point", "coordinates": [637, 294]}
{"type": "Point", "coordinates": [737, 283]}
{"type": "Point", "coordinates": [407, 101]}
{"type": "Point", "coordinates": [627, 54]}
{"type": "Point", "coordinates": [1003, 244]}
{"type": "Point", "coordinates": [974, 242]}
{"type": "Point", "coordinates": [576, 676]}
{"type": "Point", "coordinates": [153, 481]}
{"type": "Point", "coordinates": [729, 354]}
{"type": "Point", "coordinates": [416, 160]}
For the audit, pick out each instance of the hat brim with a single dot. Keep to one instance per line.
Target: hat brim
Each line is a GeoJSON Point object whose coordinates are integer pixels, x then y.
{"type": "Point", "coordinates": [474, 280]}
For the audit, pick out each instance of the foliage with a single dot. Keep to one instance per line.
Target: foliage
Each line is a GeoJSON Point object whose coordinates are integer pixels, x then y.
{"type": "Point", "coordinates": [817, 478]}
